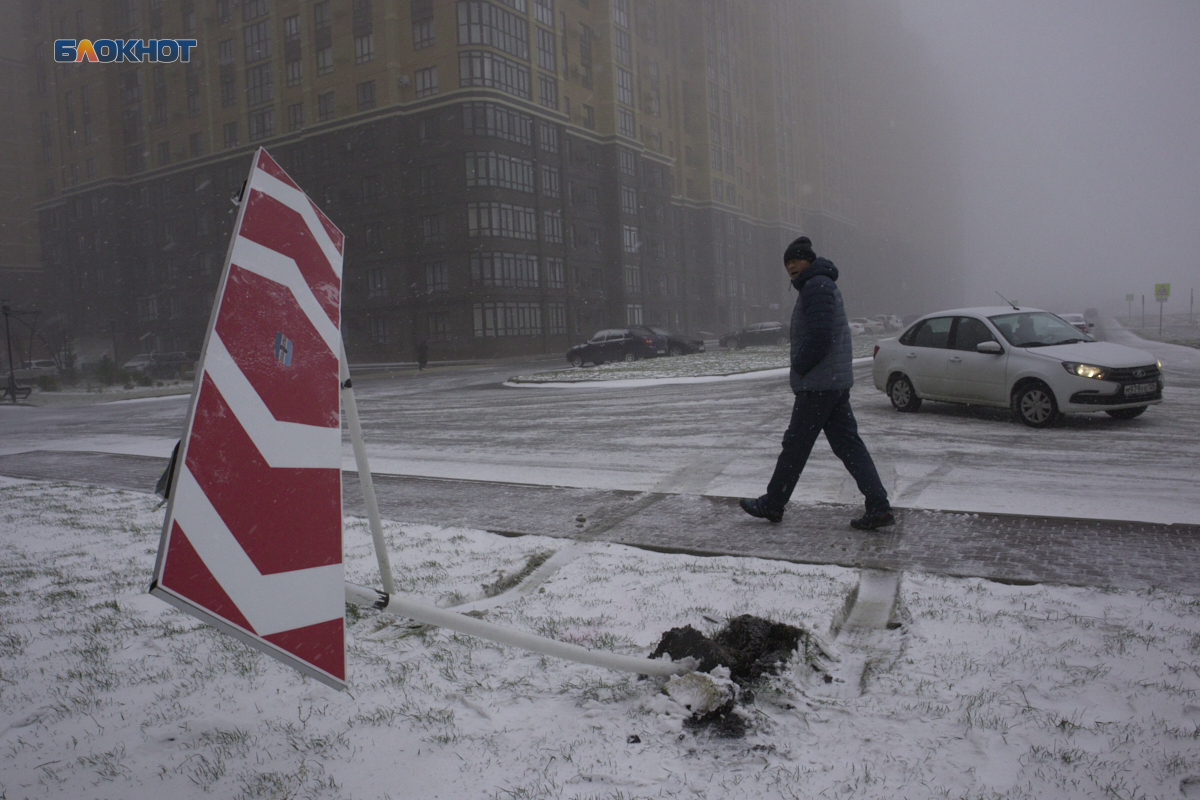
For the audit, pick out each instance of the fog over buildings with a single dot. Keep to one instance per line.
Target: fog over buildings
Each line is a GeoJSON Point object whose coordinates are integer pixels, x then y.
{"type": "Point", "coordinates": [1079, 124]}
{"type": "Point", "coordinates": [938, 151]}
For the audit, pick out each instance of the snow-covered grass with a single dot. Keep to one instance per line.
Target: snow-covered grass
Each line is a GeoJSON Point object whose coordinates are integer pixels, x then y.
{"type": "Point", "coordinates": [717, 361]}
{"type": "Point", "coordinates": [984, 691]}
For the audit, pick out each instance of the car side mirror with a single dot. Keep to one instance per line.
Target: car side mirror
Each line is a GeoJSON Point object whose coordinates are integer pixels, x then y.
{"type": "Point", "coordinates": [990, 347]}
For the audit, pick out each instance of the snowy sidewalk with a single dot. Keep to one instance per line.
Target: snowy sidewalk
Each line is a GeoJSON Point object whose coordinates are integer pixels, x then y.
{"type": "Point", "coordinates": [1131, 555]}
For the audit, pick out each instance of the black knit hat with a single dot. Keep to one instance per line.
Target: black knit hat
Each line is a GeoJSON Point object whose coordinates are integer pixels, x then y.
{"type": "Point", "coordinates": [800, 249]}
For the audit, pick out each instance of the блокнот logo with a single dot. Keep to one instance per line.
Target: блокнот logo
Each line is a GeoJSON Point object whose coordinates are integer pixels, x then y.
{"type": "Point", "coordinates": [162, 51]}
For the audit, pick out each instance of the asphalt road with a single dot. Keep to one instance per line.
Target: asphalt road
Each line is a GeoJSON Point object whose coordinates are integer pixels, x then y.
{"type": "Point", "coordinates": [718, 439]}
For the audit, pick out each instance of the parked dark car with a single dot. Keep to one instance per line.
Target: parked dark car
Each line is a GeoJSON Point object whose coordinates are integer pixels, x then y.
{"type": "Point", "coordinates": [677, 344]}
{"type": "Point", "coordinates": [616, 344]}
{"type": "Point", "coordinates": [172, 365]}
{"type": "Point", "coordinates": [758, 333]}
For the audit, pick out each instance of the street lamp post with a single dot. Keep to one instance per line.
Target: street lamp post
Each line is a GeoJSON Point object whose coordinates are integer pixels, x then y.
{"type": "Point", "coordinates": [12, 377]}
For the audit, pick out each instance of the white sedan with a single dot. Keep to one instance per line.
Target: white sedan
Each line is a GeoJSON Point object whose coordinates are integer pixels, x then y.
{"type": "Point", "coordinates": [1025, 359]}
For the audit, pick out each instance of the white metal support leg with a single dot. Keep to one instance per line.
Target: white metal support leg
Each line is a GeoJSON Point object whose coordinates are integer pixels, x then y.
{"type": "Point", "coordinates": [364, 476]}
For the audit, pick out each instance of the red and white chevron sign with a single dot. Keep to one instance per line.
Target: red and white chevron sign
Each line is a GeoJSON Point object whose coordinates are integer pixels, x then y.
{"type": "Point", "coordinates": [253, 536]}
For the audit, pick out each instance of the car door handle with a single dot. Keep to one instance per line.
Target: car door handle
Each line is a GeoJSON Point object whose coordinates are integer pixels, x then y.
{"type": "Point", "coordinates": [956, 360]}
{"type": "Point", "coordinates": [911, 355]}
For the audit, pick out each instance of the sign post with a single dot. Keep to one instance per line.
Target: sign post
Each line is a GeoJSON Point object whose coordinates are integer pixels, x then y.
{"type": "Point", "coordinates": [1129, 302]}
{"type": "Point", "coordinates": [1162, 291]}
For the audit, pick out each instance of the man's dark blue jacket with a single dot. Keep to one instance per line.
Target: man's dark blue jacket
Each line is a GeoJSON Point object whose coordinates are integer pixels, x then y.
{"type": "Point", "coordinates": [821, 347]}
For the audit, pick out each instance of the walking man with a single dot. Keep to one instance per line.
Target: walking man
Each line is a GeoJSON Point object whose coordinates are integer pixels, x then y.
{"type": "Point", "coordinates": [821, 378]}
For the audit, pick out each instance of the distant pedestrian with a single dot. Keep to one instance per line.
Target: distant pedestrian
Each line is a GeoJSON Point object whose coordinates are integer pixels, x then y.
{"type": "Point", "coordinates": [821, 377]}
{"type": "Point", "coordinates": [422, 354]}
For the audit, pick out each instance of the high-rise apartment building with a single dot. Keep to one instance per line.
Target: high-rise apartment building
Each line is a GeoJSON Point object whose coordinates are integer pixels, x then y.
{"type": "Point", "coordinates": [510, 174]}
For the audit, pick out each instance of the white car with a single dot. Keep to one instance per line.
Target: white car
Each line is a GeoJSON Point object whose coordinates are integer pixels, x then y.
{"type": "Point", "coordinates": [869, 325]}
{"type": "Point", "coordinates": [1078, 321]}
{"type": "Point", "coordinates": [889, 321]}
{"type": "Point", "coordinates": [856, 328]}
{"type": "Point", "coordinates": [1025, 359]}
{"type": "Point", "coordinates": [139, 363]}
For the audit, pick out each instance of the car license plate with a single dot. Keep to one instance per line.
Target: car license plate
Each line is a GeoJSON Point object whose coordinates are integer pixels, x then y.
{"type": "Point", "coordinates": [1140, 388]}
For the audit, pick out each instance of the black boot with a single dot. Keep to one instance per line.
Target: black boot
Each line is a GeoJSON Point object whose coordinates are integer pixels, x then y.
{"type": "Point", "coordinates": [869, 522]}
{"type": "Point", "coordinates": [755, 508]}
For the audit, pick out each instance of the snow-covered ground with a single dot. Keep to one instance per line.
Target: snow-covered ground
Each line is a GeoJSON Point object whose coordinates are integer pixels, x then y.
{"type": "Point", "coordinates": [985, 690]}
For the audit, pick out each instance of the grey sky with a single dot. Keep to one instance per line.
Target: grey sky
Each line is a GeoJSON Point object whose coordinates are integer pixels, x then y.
{"type": "Point", "coordinates": [1081, 145]}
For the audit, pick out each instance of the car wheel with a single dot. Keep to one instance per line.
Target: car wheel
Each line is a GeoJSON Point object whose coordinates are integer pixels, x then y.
{"type": "Point", "coordinates": [1126, 413]}
{"type": "Point", "coordinates": [629, 357]}
{"type": "Point", "coordinates": [782, 340]}
{"type": "Point", "coordinates": [1034, 405]}
{"type": "Point", "coordinates": [576, 360]}
{"type": "Point", "coordinates": [902, 394]}
{"type": "Point", "coordinates": [675, 351]}
{"type": "Point", "coordinates": [738, 344]}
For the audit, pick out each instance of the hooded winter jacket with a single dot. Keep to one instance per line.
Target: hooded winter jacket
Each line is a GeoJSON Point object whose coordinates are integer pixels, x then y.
{"type": "Point", "coordinates": [821, 348]}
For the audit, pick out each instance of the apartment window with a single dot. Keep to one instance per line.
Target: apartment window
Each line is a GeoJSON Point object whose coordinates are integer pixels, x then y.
{"type": "Point", "coordinates": [262, 124]}
{"type": "Point", "coordinates": [488, 119]}
{"type": "Point", "coordinates": [501, 219]}
{"type": "Point", "coordinates": [629, 203]}
{"type": "Point", "coordinates": [507, 319]}
{"type": "Point", "coordinates": [594, 239]}
{"type": "Point", "coordinates": [625, 125]}
{"type": "Point", "coordinates": [291, 28]}
{"type": "Point", "coordinates": [505, 270]}
{"type": "Point", "coordinates": [324, 61]}
{"type": "Point", "coordinates": [556, 318]}
{"type": "Point", "coordinates": [555, 274]}
{"type": "Point", "coordinates": [592, 197]}
{"type": "Point", "coordinates": [622, 48]}
{"type": "Point", "coordinates": [376, 283]}
{"type": "Point", "coordinates": [547, 137]}
{"type": "Point", "coordinates": [433, 228]}
{"type": "Point", "coordinates": [548, 91]}
{"type": "Point", "coordinates": [364, 48]}
{"type": "Point", "coordinates": [366, 95]}
{"type": "Point", "coordinates": [225, 52]}
{"type": "Point", "coordinates": [633, 314]}
{"type": "Point", "coordinates": [585, 56]}
{"type": "Point", "coordinates": [620, 12]}
{"type": "Point", "coordinates": [437, 277]}
{"type": "Point", "coordinates": [589, 117]}
{"type": "Point", "coordinates": [633, 279]}
{"type": "Point", "coordinates": [718, 190]}
{"type": "Point", "coordinates": [543, 11]}
{"type": "Point", "coordinates": [427, 129]}
{"type": "Point", "coordinates": [147, 309]}
{"type": "Point", "coordinates": [546, 50]}
{"type": "Point", "coordinates": [294, 74]}
{"type": "Point", "coordinates": [322, 17]}
{"type": "Point", "coordinates": [480, 22]}
{"type": "Point", "coordinates": [628, 162]}
{"type": "Point", "coordinates": [295, 116]}
{"type": "Point", "coordinates": [231, 134]}
{"type": "Point", "coordinates": [549, 181]}
{"type": "Point", "coordinates": [629, 238]}
{"type": "Point", "coordinates": [426, 82]}
{"type": "Point", "coordinates": [253, 9]}
{"type": "Point", "coordinates": [224, 10]}
{"type": "Point", "coordinates": [325, 106]}
{"type": "Point", "coordinates": [379, 330]}
{"type": "Point", "coordinates": [422, 33]}
{"type": "Point", "coordinates": [552, 227]}
{"type": "Point", "coordinates": [256, 39]}
{"type": "Point", "coordinates": [484, 68]}
{"type": "Point", "coordinates": [624, 86]}
{"type": "Point", "coordinates": [228, 90]}
{"type": "Point", "coordinates": [258, 85]}
{"type": "Point", "coordinates": [89, 167]}
{"type": "Point", "coordinates": [439, 326]}
{"type": "Point", "coordinates": [499, 169]}
{"type": "Point", "coordinates": [196, 145]}
{"type": "Point", "coordinates": [370, 191]}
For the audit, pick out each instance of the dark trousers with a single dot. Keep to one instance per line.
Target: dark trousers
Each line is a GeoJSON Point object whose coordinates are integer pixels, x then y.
{"type": "Point", "coordinates": [812, 413]}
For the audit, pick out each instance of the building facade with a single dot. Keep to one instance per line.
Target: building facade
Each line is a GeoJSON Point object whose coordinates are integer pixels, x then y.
{"type": "Point", "coordinates": [511, 175]}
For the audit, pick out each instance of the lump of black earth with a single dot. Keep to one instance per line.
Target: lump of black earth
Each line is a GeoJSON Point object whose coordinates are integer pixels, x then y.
{"type": "Point", "coordinates": [757, 646]}
{"type": "Point", "coordinates": [685, 642]}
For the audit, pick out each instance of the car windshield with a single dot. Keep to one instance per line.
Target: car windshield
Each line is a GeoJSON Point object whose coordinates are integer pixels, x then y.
{"type": "Point", "coordinates": [1036, 329]}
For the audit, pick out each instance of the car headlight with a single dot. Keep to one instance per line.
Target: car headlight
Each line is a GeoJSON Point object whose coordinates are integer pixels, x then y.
{"type": "Point", "coordinates": [1084, 370]}
{"type": "Point", "coordinates": [1159, 362]}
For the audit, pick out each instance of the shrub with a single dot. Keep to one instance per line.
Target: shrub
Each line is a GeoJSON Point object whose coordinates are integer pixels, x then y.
{"type": "Point", "coordinates": [48, 383]}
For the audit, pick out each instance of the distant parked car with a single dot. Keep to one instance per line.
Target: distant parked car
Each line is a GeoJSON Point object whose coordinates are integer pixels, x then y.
{"type": "Point", "coordinates": [856, 328]}
{"type": "Point", "coordinates": [758, 333]}
{"type": "Point", "coordinates": [1026, 359]}
{"type": "Point", "coordinates": [615, 344]}
{"type": "Point", "coordinates": [870, 325]}
{"type": "Point", "coordinates": [890, 321]}
{"type": "Point", "coordinates": [32, 370]}
{"type": "Point", "coordinates": [1078, 320]}
{"type": "Point", "coordinates": [139, 363]}
{"type": "Point", "coordinates": [172, 365]}
{"type": "Point", "coordinates": [678, 344]}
